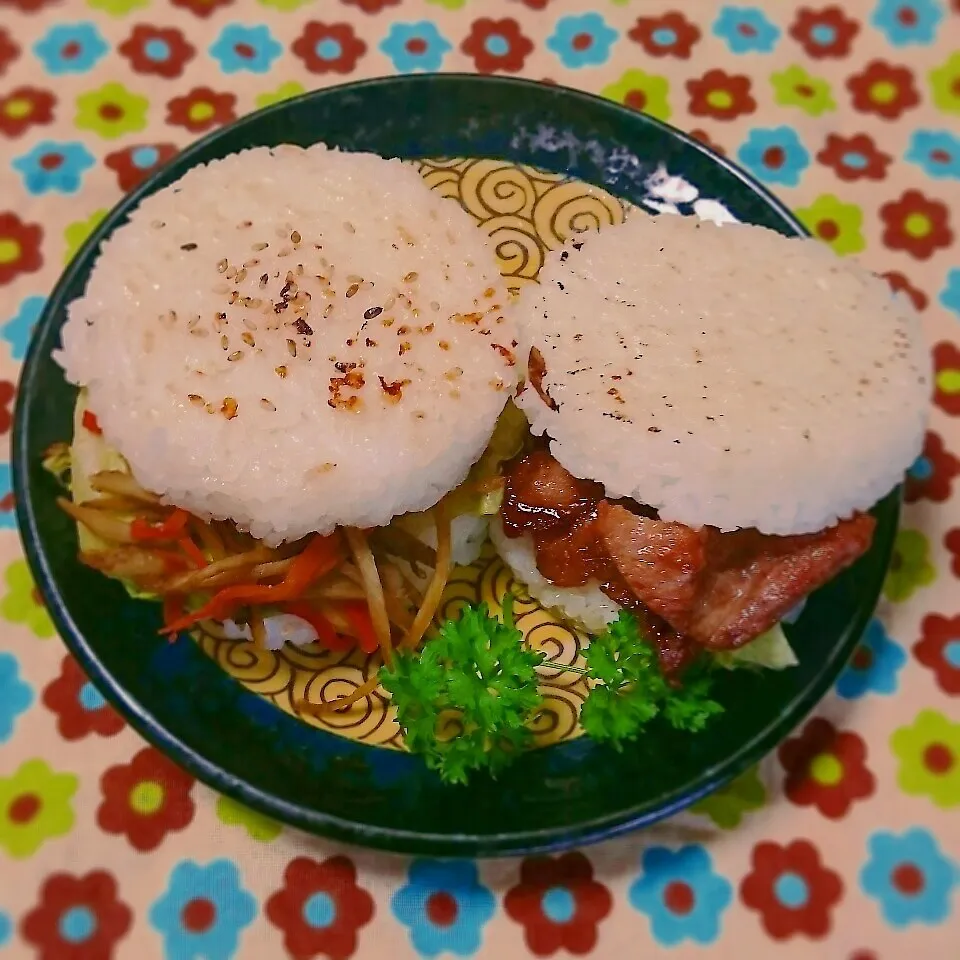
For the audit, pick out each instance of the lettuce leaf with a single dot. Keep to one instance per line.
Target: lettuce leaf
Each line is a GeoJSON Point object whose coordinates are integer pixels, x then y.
{"type": "Point", "coordinates": [506, 442]}
{"type": "Point", "coordinates": [771, 651]}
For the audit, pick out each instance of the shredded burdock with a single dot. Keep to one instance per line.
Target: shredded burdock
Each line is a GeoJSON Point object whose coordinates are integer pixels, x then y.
{"type": "Point", "coordinates": [367, 565]}
{"type": "Point", "coordinates": [378, 589]}
{"type": "Point", "coordinates": [417, 629]}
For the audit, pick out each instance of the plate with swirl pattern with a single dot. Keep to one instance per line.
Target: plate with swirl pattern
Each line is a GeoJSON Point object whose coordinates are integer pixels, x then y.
{"type": "Point", "coordinates": [533, 165]}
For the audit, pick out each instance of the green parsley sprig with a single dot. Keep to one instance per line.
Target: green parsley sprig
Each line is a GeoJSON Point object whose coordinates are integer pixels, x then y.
{"type": "Point", "coordinates": [631, 690]}
{"type": "Point", "coordinates": [467, 700]}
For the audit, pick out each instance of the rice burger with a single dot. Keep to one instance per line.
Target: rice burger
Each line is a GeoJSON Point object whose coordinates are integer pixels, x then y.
{"type": "Point", "coordinates": [284, 347]}
{"type": "Point", "coordinates": [718, 406]}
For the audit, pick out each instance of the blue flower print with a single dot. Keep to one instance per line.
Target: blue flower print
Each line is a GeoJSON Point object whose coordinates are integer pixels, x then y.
{"type": "Point", "coordinates": [6, 927]}
{"type": "Point", "coordinates": [415, 46]}
{"type": "Point", "coordinates": [19, 328]}
{"type": "Point", "coordinates": [937, 152]}
{"type": "Point", "coordinates": [445, 906]}
{"type": "Point", "coordinates": [70, 48]}
{"type": "Point", "coordinates": [905, 22]}
{"type": "Point", "coordinates": [909, 877]}
{"type": "Point", "coordinates": [582, 40]}
{"type": "Point", "coordinates": [922, 468]}
{"type": "Point", "coordinates": [15, 695]}
{"type": "Point", "coordinates": [681, 894]}
{"type": "Point", "coordinates": [57, 167]}
{"type": "Point", "coordinates": [874, 666]}
{"type": "Point", "coordinates": [950, 295]}
{"type": "Point", "coordinates": [241, 47]}
{"type": "Point", "coordinates": [775, 155]}
{"type": "Point", "coordinates": [203, 911]}
{"type": "Point", "coordinates": [8, 516]}
{"type": "Point", "coordinates": [746, 30]}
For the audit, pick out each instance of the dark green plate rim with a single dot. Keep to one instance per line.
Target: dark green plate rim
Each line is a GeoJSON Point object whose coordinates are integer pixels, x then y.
{"type": "Point", "coordinates": [446, 92]}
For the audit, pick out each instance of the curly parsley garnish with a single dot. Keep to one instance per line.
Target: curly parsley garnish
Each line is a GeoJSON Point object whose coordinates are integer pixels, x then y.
{"type": "Point", "coordinates": [631, 690]}
{"type": "Point", "coordinates": [467, 700]}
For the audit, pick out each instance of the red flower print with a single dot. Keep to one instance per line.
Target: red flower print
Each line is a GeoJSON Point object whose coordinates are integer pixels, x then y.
{"type": "Point", "coordinates": [854, 158]}
{"type": "Point", "coordinates": [7, 392]}
{"type": "Point", "coordinates": [9, 51]}
{"type": "Point", "coordinates": [587, 900]}
{"type": "Point", "coordinates": [900, 284]}
{"type": "Point", "coordinates": [28, 6]}
{"type": "Point", "coordinates": [145, 799]}
{"type": "Point", "coordinates": [329, 47]}
{"type": "Point", "coordinates": [916, 224]}
{"type": "Point", "coordinates": [720, 95]}
{"type": "Point", "coordinates": [931, 477]}
{"type": "Point", "coordinates": [668, 35]}
{"type": "Point", "coordinates": [825, 769]}
{"type": "Point", "coordinates": [535, 4]}
{"type": "Point", "coordinates": [883, 89]}
{"type": "Point", "coordinates": [201, 109]}
{"type": "Point", "coordinates": [707, 141]}
{"type": "Point", "coordinates": [497, 45]}
{"type": "Point", "coordinates": [946, 372]}
{"type": "Point", "coordinates": [202, 8]}
{"type": "Point", "coordinates": [158, 50]}
{"type": "Point", "coordinates": [824, 33]}
{"type": "Point", "coordinates": [19, 247]}
{"type": "Point", "coordinates": [939, 650]}
{"type": "Point", "coordinates": [77, 918]}
{"type": "Point", "coordinates": [25, 107]}
{"type": "Point", "coordinates": [320, 908]}
{"type": "Point", "coordinates": [79, 707]}
{"type": "Point", "coordinates": [791, 890]}
{"type": "Point", "coordinates": [370, 6]}
{"type": "Point", "coordinates": [952, 542]}
{"type": "Point", "coordinates": [133, 165]}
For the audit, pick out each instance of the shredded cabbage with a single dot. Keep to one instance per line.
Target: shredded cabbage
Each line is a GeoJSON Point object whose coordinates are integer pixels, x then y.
{"type": "Point", "coordinates": [771, 650]}
{"type": "Point", "coordinates": [507, 441]}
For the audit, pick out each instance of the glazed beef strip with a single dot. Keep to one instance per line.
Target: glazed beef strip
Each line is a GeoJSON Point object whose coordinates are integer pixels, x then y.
{"type": "Point", "coordinates": [716, 590]}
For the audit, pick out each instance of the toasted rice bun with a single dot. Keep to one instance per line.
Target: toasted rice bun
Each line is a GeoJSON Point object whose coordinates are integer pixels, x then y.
{"type": "Point", "coordinates": [295, 340]}
{"type": "Point", "coordinates": [725, 375]}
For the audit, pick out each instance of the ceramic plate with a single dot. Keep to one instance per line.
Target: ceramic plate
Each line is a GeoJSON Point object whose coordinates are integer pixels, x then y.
{"type": "Point", "coordinates": [533, 164]}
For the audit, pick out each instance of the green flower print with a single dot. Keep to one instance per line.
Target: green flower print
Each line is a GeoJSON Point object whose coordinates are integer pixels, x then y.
{"type": "Point", "coordinates": [726, 806]}
{"type": "Point", "coordinates": [78, 231]}
{"type": "Point", "coordinates": [284, 92]}
{"type": "Point", "coordinates": [117, 8]}
{"type": "Point", "coordinates": [929, 755]}
{"type": "Point", "coordinates": [794, 87]}
{"type": "Point", "coordinates": [111, 111]}
{"type": "Point", "coordinates": [284, 6]}
{"type": "Point", "coordinates": [910, 566]}
{"type": "Point", "coordinates": [34, 807]}
{"type": "Point", "coordinates": [834, 222]}
{"type": "Point", "coordinates": [945, 84]}
{"type": "Point", "coordinates": [21, 603]}
{"type": "Point", "coordinates": [448, 4]}
{"type": "Point", "coordinates": [258, 826]}
{"type": "Point", "coordinates": [642, 91]}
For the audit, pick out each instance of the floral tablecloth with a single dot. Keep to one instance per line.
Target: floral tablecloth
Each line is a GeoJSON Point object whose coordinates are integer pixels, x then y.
{"type": "Point", "coordinates": [843, 844]}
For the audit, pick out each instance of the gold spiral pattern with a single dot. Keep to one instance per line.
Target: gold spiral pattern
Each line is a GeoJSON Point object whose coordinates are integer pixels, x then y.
{"type": "Point", "coordinates": [526, 212]}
